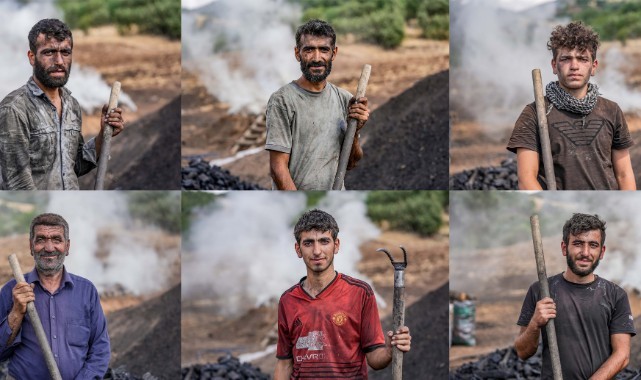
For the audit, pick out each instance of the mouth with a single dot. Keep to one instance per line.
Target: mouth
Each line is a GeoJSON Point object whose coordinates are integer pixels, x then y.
{"type": "Point", "coordinates": [317, 261]}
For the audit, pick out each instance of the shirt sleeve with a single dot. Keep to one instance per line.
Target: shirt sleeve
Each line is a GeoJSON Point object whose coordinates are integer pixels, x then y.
{"type": "Point", "coordinates": [525, 134]}
{"type": "Point", "coordinates": [285, 344]}
{"type": "Point", "coordinates": [622, 321]}
{"type": "Point", "coordinates": [621, 139]}
{"type": "Point", "coordinates": [86, 157]}
{"type": "Point", "coordinates": [372, 336]}
{"type": "Point", "coordinates": [528, 307]}
{"type": "Point", "coordinates": [98, 355]}
{"type": "Point", "coordinates": [6, 303]}
{"type": "Point", "coordinates": [279, 128]}
{"type": "Point", "coordinates": [15, 163]}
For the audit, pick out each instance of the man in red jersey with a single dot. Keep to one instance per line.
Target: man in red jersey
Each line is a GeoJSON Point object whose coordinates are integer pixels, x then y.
{"type": "Point", "coordinates": [328, 324]}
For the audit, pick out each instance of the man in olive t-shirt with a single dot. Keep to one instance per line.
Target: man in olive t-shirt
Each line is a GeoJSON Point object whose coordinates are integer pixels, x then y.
{"type": "Point", "coordinates": [589, 137]}
{"type": "Point", "coordinates": [592, 315]}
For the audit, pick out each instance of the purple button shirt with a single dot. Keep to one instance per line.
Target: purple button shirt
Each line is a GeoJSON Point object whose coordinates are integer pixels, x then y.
{"type": "Point", "coordinates": [74, 324]}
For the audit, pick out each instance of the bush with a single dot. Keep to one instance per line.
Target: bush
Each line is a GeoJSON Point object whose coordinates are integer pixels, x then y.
{"type": "Point", "coordinates": [160, 208]}
{"type": "Point", "coordinates": [412, 211]}
{"type": "Point", "coordinates": [192, 200]}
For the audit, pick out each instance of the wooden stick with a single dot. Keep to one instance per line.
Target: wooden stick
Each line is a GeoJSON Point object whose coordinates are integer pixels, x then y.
{"type": "Point", "coordinates": [544, 133]}
{"type": "Point", "coordinates": [348, 140]}
{"type": "Point", "coordinates": [103, 161]}
{"type": "Point", "coordinates": [36, 323]}
{"type": "Point", "coordinates": [545, 292]}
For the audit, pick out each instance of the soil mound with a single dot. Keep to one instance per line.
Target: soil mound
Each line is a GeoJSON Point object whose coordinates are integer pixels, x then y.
{"type": "Point", "coordinates": [146, 156]}
{"type": "Point", "coordinates": [407, 140]}
{"type": "Point", "coordinates": [144, 338]}
{"type": "Point", "coordinates": [635, 346]}
{"type": "Point", "coordinates": [428, 322]}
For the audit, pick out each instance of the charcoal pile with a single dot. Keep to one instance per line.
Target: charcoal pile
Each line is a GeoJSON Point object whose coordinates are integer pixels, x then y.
{"type": "Point", "coordinates": [121, 373]}
{"type": "Point", "coordinates": [227, 368]}
{"type": "Point", "coordinates": [502, 177]}
{"type": "Point", "coordinates": [505, 364]}
{"type": "Point", "coordinates": [200, 176]}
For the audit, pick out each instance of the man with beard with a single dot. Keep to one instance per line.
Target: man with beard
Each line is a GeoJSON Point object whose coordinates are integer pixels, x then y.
{"type": "Point", "coordinates": [68, 306]}
{"type": "Point", "coordinates": [41, 145]}
{"type": "Point", "coordinates": [306, 119]}
{"type": "Point", "coordinates": [592, 315]}
{"type": "Point", "coordinates": [328, 324]}
{"type": "Point", "coordinates": [589, 136]}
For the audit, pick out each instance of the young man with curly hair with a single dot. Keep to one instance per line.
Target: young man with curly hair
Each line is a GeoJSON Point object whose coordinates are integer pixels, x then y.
{"type": "Point", "coordinates": [589, 136]}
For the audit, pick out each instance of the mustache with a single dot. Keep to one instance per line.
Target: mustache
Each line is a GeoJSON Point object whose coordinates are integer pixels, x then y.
{"type": "Point", "coordinates": [51, 69]}
{"type": "Point", "coordinates": [316, 64]}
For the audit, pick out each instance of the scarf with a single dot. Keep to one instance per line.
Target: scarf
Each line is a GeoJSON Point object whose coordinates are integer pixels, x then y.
{"type": "Point", "coordinates": [564, 101]}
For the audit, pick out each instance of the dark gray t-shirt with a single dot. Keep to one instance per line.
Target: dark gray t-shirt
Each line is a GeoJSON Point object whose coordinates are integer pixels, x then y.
{"type": "Point", "coordinates": [587, 314]}
{"type": "Point", "coordinates": [581, 147]}
{"type": "Point", "coordinates": [310, 126]}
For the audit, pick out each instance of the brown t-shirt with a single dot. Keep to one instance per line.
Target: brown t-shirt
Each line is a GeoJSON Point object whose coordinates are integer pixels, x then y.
{"type": "Point", "coordinates": [581, 148]}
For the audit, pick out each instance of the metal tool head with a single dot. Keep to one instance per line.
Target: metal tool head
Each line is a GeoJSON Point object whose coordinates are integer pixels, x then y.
{"type": "Point", "coordinates": [398, 265]}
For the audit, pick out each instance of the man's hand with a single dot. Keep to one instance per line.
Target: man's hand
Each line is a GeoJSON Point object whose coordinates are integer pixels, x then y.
{"type": "Point", "coordinates": [113, 118]}
{"type": "Point", "coordinates": [527, 342]}
{"type": "Point", "coordinates": [545, 310]}
{"type": "Point", "coordinates": [358, 110]}
{"type": "Point", "coordinates": [22, 294]}
{"type": "Point", "coordinates": [401, 340]}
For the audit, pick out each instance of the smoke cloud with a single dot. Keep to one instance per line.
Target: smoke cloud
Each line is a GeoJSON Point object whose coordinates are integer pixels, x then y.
{"type": "Point", "coordinates": [107, 247]}
{"type": "Point", "coordinates": [16, 20]}
{"type": "Point", "coordinates": [242, 249]}
{"type": "Point", "coordinates": [242, 50]}
{"type": "Point", "coordinates": [494, 50]}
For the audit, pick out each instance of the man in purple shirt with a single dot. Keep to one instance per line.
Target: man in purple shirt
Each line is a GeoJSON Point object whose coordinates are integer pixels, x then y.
{"type": "Point", "coordinates": [68, 306]}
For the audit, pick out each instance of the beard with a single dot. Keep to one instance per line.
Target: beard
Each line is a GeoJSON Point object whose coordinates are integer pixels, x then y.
{"type": "Point", "coordinates": [49, 267]}
{"type": "Point", "coordinates": [321, 269]}
{"type": "Point", "coordinates": [578, 271]}
{"type": "Point", "coordinates": [315, 78]}
{"type": "Point", "coordinates": [42, 74]}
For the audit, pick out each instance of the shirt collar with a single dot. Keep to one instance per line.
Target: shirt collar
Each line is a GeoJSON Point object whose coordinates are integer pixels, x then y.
{"type": "Point", "coordinates": [37, 91]}
{"type": "Point", "coordinates": [32, 277]}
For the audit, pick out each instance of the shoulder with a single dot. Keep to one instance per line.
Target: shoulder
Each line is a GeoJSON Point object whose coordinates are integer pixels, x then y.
{"type": "Point", "coordinates": [342, 93]}
{"type": "Point", "coordinates": [611, 287]}
{"type": "Point", "coordinates": [82, 283]}
{"type": "Point", "coordinates": [15, 99]}
{"type": "Point", "coordinates": [289, 292]}
{"type": "Point", "coordinates": [357, 285]}
{"type": "Point", "coordinates": [283, 94]}
{"type": "Point", "coordinates": [605, 102]}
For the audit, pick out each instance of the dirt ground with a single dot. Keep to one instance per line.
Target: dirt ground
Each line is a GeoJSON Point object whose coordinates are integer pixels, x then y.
{"type": "Point", "coordinates": [208, 131]}
{"type": "Point", "coordinates": [471, 147]}
{"type": "Point", "coordinates": [205, 336]}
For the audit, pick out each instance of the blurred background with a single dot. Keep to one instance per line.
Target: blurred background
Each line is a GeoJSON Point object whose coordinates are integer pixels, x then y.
{"type": "Point", "coordinates": [236, 53]}
{"type": "Point", "coordinates": [238, 258]}
{"type": "Point", "coordinates": [128, 245]}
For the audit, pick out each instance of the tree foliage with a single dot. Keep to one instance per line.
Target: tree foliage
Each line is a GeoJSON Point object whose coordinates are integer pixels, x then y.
{"type": "Point", "coordinates": [420, 212]}
{"type": "Point", "coordinates": [613, 21]}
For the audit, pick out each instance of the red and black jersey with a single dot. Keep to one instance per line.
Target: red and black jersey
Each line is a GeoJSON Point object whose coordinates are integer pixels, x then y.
{"type": "Point", "coordinates": [328, 336]}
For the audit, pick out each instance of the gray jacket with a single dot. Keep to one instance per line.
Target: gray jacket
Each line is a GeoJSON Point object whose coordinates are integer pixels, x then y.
{"type": "Point", "coordinates": [39, 151]}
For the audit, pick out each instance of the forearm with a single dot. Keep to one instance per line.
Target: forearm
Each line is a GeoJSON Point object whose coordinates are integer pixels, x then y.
{"type": "Point", "coordinates": [284, 369]}
{"type": "Point", "coordinates": [282, 178]}
{"type": "Point", "coordinates": [86, 157]}
{"type": "Point", "coordinates": [625, 180]}
{"type": "Point", "coordinates": [529, 183]}
{"type": "Point", "coordinates": [527, 342]}
{"type": "Point", "coordinates": [380, 358]}
{"type": "Point", "coordinates": [615, 363]}
{"type": "Point", "coordinates": [14, 320]}
{"type": "Point", "coordinates": [356, 153]}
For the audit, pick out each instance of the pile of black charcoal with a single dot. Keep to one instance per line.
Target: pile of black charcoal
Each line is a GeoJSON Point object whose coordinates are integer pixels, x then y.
{"type": "Point", "coordinates": [505, 364]}
{"type": "Point", "coordinates": [502, 177]}
{"type": "Point", "coordinates": [121, 373]}
{"type": "Point", "coordinates": [227, 368]}
{"type": "Point", "coordinates": [200, 176]}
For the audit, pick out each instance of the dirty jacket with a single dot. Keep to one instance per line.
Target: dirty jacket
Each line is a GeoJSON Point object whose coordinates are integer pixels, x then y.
{"type": "Point", "coordinates": [39, 151]}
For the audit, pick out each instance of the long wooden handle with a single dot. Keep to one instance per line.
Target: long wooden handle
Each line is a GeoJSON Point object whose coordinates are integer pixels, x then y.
{"type": "Point", "coordinates": [544, 133]}
{"type": "Point", "coordinates": [36, 323]}
{"type": "Point", "coordinates": [103, 161]}
{"type": "Point", "coordinates": [348, 140]}
{"type": "Point", "coordinates": [545, 292]}
{"type": "Point", "coordinates": [398, 312]}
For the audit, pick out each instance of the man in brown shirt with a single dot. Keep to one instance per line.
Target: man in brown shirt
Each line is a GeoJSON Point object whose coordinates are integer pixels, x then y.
{"type": "Point", "coordinates": [589, 137]}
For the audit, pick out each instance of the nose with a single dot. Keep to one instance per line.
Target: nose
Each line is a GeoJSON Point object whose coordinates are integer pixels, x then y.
{"type": "Point", "coordinates": [57, 58]}
{"type": "Point", "coordinates": [317, 249]}
{"type": "Point", "coordinates": [49, 246]}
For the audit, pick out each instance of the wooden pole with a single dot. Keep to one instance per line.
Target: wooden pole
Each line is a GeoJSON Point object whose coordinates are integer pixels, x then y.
{"type": "Point", "coordinates": [544, 133]}
{"type": "Point", "coordinates": [103, 161]}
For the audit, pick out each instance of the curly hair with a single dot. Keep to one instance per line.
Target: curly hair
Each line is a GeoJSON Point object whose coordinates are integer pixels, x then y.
{"type": "Point", "coordinates": [580, 223]}
{"type": "Point", "coordinates": [316, 220]}
{"type": "Point", "coordinates": [51, 28]}
{"type": "Point", "coordinates": [574, 35]}
{"type": "Point", "coordinates": [318, 28]}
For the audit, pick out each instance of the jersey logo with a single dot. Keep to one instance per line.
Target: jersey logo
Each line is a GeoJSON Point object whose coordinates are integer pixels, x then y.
{"type": "Point", "coordinates": [578, 133]}
{"type": "Point", "coordinates": [339, 318]}
{"type": "Point", "coordinates": [315, 341]}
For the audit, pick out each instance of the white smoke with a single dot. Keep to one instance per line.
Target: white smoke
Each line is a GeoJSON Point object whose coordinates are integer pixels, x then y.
{"type": "Point", "coordinates": [242, 50]}
{"type": "Point", "coordinates": [16, 20]}
{"type": "Point", "coordinates": [495, 50]}
{"type": "Point", "coordinates": [242, 249]}
{"type": "Point", "coordinates": [126, 258]}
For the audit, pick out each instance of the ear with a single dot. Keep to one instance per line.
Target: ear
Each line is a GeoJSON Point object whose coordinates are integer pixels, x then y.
{"type": "Point", "coordinates": [297, 53]}
{"type": "Point", "coordinates": [32, 57]}
{"type": "Point", "coordinates": [564, 250]}
{"type": "Point", "coordinates": [602, 252]}
{"type": "Point", "coordinates": [337, 245]}
{"type": "Point", "coordinates": [554, 66]}
{"type": "Point", "coordinates": [595, 64]}
{"type": "Point", "coordinates": [297, 249]}
{"type": "Point", "coordinates": [68, 245]}
{"type": "Point", "coordinates": [334, 53]}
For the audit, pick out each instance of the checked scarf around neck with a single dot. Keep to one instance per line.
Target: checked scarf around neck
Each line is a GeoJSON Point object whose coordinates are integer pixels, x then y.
{"type": "Point", "coordinates": [564, 101]}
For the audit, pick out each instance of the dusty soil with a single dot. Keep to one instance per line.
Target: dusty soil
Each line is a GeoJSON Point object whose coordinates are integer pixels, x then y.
{"type": "Point", "coordinates": [472, 147]}
{"type": "Point", "coordinates": [149, 69]}
{"type": "Point", "coordinates": [208, 131]}
{"type": "Point", "coordinates": [205, 336]}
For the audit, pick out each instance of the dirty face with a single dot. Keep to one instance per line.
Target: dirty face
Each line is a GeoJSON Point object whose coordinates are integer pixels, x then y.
{"type": "Point", "coordinates": [315, 55]}
{"type": "Point", "coordinates": [317, 249]}
{"type": "Point", "coordinates": [52, 61]}
{"type": "Point", "coordinates": [49, 248]}
{"type": "Point", "coordinates": [583, 252]}
{"type": "Point", "coordinates": [574, 68]}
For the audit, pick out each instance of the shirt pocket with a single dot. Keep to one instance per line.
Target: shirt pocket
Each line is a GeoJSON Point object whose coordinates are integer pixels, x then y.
{"type": "Point", "coordinates": [42, 147]}
{"type": "Point", "coordinates": [78, 333]}
{"type": "Point", "coordinates": [72, 138]}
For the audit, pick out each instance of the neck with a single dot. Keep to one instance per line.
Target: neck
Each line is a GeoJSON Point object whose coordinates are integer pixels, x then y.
{"type": "Point", "coordinates": [53, 93]}
{"type": "Point", "coordinates": [311, 86]}
{"type": "Point", "coordinates": [571, 277]}
{"type": "Point", "coordinates": [316, 282]}
{"type": "Point", "coordinates": [51, 282]}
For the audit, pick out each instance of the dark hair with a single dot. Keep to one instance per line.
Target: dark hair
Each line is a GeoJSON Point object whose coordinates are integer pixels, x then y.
{"type": "Point", "coordinates": [317, 28]}
{"type": "Point", "coordinates": [574, 35]}
{"type": "Point", "coordinates": [316, 220]}
{"type": "Point", "coordinates": [49, 220]}
{"type": "Point", "coordinates": [580, 223]}
{"type": "Point", "coordinates": [51, 28]}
